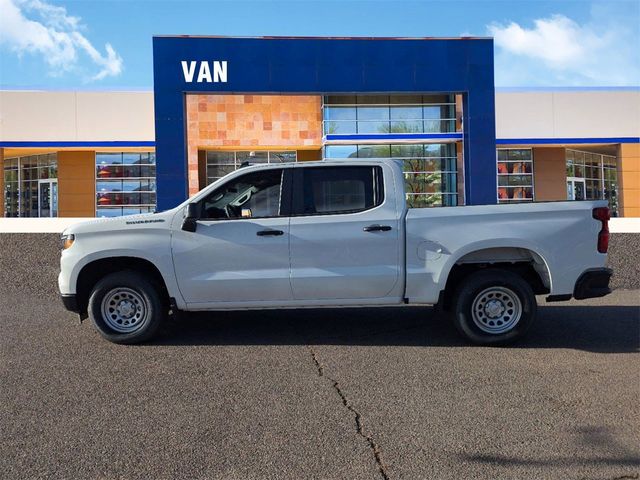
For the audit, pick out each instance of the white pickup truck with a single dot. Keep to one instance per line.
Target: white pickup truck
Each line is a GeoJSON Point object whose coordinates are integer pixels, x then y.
{"type": "Point", "coordinates": [333, 234]}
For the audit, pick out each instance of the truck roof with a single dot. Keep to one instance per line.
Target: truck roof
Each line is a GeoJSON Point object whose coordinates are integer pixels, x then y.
{"type": "Point", "coordinates": [327, 162]}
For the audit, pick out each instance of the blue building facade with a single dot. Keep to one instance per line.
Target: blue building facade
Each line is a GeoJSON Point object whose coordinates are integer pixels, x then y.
{"type": "Point", "coordinates": [391, 87]}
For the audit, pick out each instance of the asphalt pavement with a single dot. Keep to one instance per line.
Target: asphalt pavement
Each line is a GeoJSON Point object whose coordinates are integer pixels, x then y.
{"type": "Point", "coordinates": [318, 394]}
{"type": "Point", "coordinates": [313, 394]}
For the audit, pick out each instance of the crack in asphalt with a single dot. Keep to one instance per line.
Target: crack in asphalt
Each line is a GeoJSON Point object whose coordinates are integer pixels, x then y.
{"type": "Point", "coordinates": [359, 428]}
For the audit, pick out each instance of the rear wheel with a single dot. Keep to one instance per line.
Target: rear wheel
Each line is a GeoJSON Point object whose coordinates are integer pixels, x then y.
{"type": "Point", "coordinates": [125, 307]}
{"type": "Point", "coordinates": [494, 307]}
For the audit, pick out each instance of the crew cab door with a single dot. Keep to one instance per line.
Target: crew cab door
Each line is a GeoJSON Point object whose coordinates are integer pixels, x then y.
{"type": "Point", "coordinates": [345, 233]}
{"type": "Point", "coordinates": [239, 252]}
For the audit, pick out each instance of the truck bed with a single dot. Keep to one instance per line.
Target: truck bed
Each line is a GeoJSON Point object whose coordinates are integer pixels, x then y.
{"type": "Point", "coordinates": [559, 237]}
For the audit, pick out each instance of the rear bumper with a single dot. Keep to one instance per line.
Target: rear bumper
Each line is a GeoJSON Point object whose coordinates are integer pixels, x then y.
{"type": "Point", "coordinates": [70, 302]}
{"type": "Point", "coordinates": [593, 283]}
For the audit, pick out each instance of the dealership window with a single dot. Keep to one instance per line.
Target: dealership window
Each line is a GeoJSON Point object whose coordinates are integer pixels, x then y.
{"type": "Point", "coordinates": [125, 183]}
{"type": "Point", "coordinates": [375, 114]}
{"type": "Point", "coordinates": [430, 170]}
{"type": "Point", "coordinates": [31, 186]}
{"type": "Point", "coordinates": [592, 176]}
{"type": "Point", "coordinates": [515, 175]}
{"type": "Point", "coordinates": [220, 163]}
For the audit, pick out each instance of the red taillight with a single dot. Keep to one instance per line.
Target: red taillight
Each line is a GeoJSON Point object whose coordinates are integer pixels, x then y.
{"type": "Point", "coordinates": [602, 214]}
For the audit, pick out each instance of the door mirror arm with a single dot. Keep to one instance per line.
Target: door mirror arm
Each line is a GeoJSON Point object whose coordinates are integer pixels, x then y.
{"type": "Point", "coordinates": [190, 222]}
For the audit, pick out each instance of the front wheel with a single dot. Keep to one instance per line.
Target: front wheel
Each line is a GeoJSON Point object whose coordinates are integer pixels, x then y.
{"type": "Point", "coordinates": [125, 307]}
{"type": "Point", "coordinates": [494, 307]}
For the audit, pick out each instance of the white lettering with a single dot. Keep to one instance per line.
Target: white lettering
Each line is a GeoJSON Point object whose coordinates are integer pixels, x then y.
{"type": "Point", "coordinates": [189, 71]}
{"type": "Point", "coordinates": [220, 71]}
{"type": "Point", "coordinates": [205, 73]}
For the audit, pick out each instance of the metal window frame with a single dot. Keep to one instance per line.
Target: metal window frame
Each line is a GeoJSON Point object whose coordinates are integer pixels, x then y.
{"type": "Point", "coordinates": [602, 168]}
{"type": "Point", "coordinates": [533, 186]}
{"type": "Point", "coordinates": [406, 159]}
{"type": "Point", "coordinates": [148, 206]}
{"type": "Point", "coordinates": [236, 164]}
{"type": "Point", "coordinates": [20, 160]}
{"type": "Point", "coordinates": [50, 181]}
{"type": "Point", "coordinates": [389, 106]}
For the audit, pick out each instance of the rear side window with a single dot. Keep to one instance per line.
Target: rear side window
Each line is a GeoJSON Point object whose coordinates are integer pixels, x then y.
{"type": "Point", "coordinates": [334, 190]}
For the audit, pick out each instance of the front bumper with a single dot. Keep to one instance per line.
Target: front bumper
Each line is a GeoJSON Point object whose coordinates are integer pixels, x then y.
{"type": "Point", "coordinates": [593, 283]}
{"type": "Point", "coordinates": [70, 302]}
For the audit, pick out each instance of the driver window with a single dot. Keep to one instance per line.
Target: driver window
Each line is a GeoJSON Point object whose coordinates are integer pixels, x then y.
{"type": "Point", "coordinates": [254, 195]}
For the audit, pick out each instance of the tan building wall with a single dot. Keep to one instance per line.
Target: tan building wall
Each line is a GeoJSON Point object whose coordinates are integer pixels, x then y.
{"type": "Point", "coordinates": [234, 122]}
{"type": "Point", "coordinates": [567, 114]}
{"type": "Point", "coordinates": [549, 174]}
{"type": "Point", "coordinates": [76, 184]}
{"type": "Point", "coordinates": [629, 178]}
{"type": "Point", "coordinates": [89, 116]}
{"type": "Point", "coordinates": [38, 116]}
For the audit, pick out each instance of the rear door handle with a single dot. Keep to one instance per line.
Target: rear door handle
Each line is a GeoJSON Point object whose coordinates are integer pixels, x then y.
{"type": "Point", "coordinates": [377, 228]}
{"type": "Point", "coordinates": [270, 233]}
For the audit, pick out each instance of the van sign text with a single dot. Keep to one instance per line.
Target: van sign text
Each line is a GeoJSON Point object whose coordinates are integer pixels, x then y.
{"type": "Point", "coordinates": [207, 72]}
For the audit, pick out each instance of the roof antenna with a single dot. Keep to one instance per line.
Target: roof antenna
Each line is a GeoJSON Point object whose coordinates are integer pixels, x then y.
{"type": "Point", "coordinates": [247, 163]}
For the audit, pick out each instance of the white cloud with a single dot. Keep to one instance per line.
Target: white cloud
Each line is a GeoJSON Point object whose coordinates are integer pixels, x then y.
{"type": "Point", "coordinates": [559, 51]}
{"type": "Point", "coordinates": [557, 40]}
{"type": "Point", "coordinates": [37, 27]}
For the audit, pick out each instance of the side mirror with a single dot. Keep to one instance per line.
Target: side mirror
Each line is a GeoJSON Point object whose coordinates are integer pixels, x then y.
{"type": "Point", "coordinates": [189, 224]}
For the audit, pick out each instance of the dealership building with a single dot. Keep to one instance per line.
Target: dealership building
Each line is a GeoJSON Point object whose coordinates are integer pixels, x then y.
{"type": "Point", "coordinates": [220, 102]}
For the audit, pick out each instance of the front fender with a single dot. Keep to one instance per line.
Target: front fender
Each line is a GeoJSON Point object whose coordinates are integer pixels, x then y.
{"type": "Point", "coordinates": [89, 248]}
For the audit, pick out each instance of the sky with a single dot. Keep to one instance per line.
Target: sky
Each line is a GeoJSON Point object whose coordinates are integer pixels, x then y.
{"type": "Point", "coordinates": [106, 44]}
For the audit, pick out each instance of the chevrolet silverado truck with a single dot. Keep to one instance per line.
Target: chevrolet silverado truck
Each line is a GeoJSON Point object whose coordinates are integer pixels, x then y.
{"type": "Point", "coordinates": [333, 234]}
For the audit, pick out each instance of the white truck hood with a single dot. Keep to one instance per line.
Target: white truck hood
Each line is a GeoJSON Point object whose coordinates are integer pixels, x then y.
{"type": "Point", "coordinates": [129, 222]}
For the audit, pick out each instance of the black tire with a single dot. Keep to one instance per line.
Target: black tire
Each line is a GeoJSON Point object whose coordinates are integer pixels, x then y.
{"type": "Point", "coordinates": [480, 289]}
{"type": "Point", "coordinates": [131, 290]}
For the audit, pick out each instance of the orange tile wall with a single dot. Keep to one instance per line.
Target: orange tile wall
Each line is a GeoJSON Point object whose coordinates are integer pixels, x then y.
{"type": "Point", "coordinates": [629, 177]}
{"type": "Point", "coordinates": [242, 122]}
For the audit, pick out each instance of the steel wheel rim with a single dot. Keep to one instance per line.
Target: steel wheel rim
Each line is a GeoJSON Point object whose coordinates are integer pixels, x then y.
{"type": "Point", "coordinates": [496, 310]}
{"type": "Point", "coordinates": [123, 309]}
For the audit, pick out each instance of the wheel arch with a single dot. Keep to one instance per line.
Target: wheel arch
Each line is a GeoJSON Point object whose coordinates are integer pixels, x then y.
{"type": "Point", "coordinates": [97, 269]}
{"type": "Point", "coordinates": [524, 261]}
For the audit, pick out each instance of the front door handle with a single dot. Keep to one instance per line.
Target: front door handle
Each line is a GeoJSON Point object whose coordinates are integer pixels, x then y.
{"type": "Point", "coordinates": [377, 228]}
{"type": "Point", "coordinates": [272, 233]}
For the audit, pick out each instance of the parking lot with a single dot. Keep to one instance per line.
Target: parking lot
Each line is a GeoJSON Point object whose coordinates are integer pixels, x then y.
{"type": "Point", "coordinates": [332, 394]}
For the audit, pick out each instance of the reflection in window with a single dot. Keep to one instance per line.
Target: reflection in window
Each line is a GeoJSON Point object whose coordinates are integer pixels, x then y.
{"type": "Point", "coordinates": [430, 170]}
{"type": "Point", "coordinates": [341, 189]}
{"type": "Point", "coordinates": [515, 175]}
{"type": "Point", "coordinates": [125, 183]}
{"type": "Point", "coordinates": [22, 176]}
{"type": "Point", "coordinates": [254, 195]}
{"type": "Point", "coordinates": [221, 163]}
{"type": "Point", "coordinates": [380, 114]}
{"type": "Point", "coordinates": [599, 173]}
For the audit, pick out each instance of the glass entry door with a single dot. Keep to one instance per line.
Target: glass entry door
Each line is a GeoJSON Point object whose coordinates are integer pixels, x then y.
{"type": "Point", "coordinates": [576, 188]}
{"type": "Point", "coordinates": [48, 198]}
